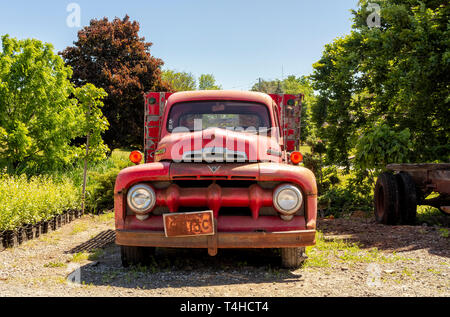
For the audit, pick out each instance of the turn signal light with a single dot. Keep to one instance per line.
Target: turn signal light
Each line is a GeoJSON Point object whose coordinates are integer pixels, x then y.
{"type": "Point", "coordinates": [296, 158]}
{"type": "Point", "coordinates": [136, 157]}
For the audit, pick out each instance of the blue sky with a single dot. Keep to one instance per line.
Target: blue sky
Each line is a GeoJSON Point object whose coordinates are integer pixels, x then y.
{"type": "Point", "coordinates": [237, 41]}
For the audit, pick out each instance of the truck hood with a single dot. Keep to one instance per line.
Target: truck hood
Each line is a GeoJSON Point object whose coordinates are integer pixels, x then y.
{"type": "Point", "coordinates": [217, 145]}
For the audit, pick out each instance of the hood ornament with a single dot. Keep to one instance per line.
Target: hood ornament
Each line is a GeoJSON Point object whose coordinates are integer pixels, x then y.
{"type": "Point", "coordinates": [214, 168]}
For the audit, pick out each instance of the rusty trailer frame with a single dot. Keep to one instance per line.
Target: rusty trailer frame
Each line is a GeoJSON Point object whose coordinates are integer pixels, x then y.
{"type": "Point", "coordinates": [399, 191]}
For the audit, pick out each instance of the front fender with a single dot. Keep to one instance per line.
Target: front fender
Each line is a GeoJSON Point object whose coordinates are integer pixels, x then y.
{"type": "Point", "coordinates": [303, 177]}
{"type": "Point", "coordinates": [133, 175]}
{"type": "Point", "coordinates": [142, 173]}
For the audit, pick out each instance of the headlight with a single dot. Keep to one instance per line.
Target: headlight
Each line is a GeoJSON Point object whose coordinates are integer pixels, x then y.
{"type": "Point", "coordinates": [141, 199]}
{"type": "Point", "coordinates": [287, 199]}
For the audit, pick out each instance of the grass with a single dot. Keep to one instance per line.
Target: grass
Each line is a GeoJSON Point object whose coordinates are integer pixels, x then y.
{"type": "Point", "coordinates": [54, 265]}
{"type": "Point", "coordinates": [327, 250]}
{"type": "Point", "coordinates": [93, 255]}
{"type": "Point", "coordinates": [108, 278]}
{"type": "Point", "coordinates": [106, 217]}
{"type": "Point", "coordinates": [433, 271]}
{"type": "Point", "coordinates": [96, 254]}
{"type": "Point", "coordinates": [52, 238]}
{"type": "Point", "coordinates": [81, 227]}
{"type": "Point", "coordinates": [408, 273]}
{"type": "Point", "coordinates": [444, 232]}
{"type": "Point", "coordinates": [80, 257]}
{"type": "Point", "coordinates": [432, 217]}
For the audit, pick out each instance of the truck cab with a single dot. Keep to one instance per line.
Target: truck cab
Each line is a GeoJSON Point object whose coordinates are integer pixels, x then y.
{"type": "Point", "coordinates": [221, 171]}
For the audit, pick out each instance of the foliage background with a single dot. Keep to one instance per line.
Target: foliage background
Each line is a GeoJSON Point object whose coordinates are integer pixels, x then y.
{"type": "Point", "coordinates": [396, 75]}
{"type": "Point", "coordinates": [111, 55]}
{"type": "Point", "coordinates": [41, 113]}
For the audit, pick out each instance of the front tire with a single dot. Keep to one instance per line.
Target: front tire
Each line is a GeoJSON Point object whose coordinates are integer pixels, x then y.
{"type": "Point", "coordinates": [292, 258]}
{"type": "Point", "coordinates": [134, 256]}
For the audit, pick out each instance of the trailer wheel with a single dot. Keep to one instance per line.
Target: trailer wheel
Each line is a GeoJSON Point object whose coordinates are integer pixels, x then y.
{"type": "Point", "coordinates": [133, 256]}
{"type": "Point", "coordinates": [407, 198]}
{"type": "Point", "coordinates": [386, 200]}
{"type": "Point", "coordinates": [292, 258]}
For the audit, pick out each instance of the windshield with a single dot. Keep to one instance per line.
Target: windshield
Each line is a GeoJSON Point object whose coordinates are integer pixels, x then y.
{"type": "Point", "coordinates": [219, 114]}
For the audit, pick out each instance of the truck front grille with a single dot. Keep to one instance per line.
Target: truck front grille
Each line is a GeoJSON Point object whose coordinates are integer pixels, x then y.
{"type": "Point", "coordinates": [215, 155]}
{"type": "Point", "coordinates": [223, 197]}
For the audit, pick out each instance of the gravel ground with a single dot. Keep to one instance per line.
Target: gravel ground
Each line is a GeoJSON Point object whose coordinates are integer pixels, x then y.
{"type": "Point", "coordinates": [387, 261]}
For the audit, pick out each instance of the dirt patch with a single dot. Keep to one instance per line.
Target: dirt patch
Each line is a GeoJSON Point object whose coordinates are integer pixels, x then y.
{"type": "Point", "coordinates": [353, 257]}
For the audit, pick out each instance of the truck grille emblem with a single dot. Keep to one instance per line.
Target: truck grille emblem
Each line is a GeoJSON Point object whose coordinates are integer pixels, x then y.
{"type": "Point", "coordinates": [214, 168]}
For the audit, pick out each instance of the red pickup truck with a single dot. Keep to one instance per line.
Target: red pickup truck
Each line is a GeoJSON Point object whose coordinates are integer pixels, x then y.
{"type": "Point", "coordinates": [221, 171]}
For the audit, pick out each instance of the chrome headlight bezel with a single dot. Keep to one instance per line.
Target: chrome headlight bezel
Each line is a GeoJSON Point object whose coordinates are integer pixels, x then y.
{"type": "Point", "coordinates": [293, 190]}
{"type": "Point", "coordinates": [144, 208]}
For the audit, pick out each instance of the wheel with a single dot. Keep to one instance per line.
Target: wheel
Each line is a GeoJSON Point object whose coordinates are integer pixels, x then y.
{"type": "Point", "coordinates": [292, 258]}
{"type": "Point", "coordinates": [386, 200]}
{"type": "Point", "coordinates": [133, 256]}
{"type": "Point", "coordinates": [407, 198]}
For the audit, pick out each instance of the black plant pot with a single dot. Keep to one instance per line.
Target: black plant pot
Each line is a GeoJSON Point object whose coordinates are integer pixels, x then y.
{"type": "Point", "coordinates": [71, 215]}
{"type": "Point", "coordinates": [2, 247]}
{"type": "Point", "coordinates": [64, 218]}
{"type": "Point", "coordinates": [44, 227]}
{"type": "Point", "coordinates": [29, 232]}
{"type": "Point", "coordinates": [53, 224]}
{"type": "Point", "coordinates": [10, 239]}
{"type": "Point", "coordinates": [21, 235]}
{"type": "Point", "coordinates": [58, 221]}
{"type": "Point", "coordinates": [37, 230]}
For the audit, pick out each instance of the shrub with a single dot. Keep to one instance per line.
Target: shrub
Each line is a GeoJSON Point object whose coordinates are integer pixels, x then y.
{"type": "Point", "coordinates": [31, 200]}
{"type": "Point", "coordinates": [100, 194]}
{"type": "Point", "coordinates": [338, 201]}
{"type": "Point", "coordinates": [101, 182]}
{"type": "Point", "coordinates": [380, 146]}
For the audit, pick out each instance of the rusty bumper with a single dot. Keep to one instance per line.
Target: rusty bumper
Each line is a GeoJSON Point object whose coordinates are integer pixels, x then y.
{"type": "Point", "coordinates": [221, 240]}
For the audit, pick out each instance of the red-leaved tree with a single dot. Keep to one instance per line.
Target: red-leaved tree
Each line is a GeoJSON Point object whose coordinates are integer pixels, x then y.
{"type": "Point", "coordinates": [112, 56]}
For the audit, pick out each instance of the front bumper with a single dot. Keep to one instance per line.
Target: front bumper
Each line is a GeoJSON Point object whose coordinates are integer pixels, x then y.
{"type": "Point", "coordinates": [221, 240]}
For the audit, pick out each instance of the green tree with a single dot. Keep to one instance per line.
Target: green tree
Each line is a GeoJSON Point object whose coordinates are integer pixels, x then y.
{"type": "Point", "coordinates": [399, 72]}
{"type": "Point", "coordinates": [302, 85]}
{"type": "Point", "coordinates": [381, 145]}
{"type": "Point", "coordinates": [292, 85]}
{"type": "Point", "coordinates": [179, 81]}
{"type": "Point", "coordinates": [266, 86]}
{"type": "Point", "coordinates": [111, 55]}
{"type": "Point", "coordinates": [94, 124]}
{"type": "Point", "coordinates": [39, 118]}
{"type": "Point", "coordinates": [208, 82]}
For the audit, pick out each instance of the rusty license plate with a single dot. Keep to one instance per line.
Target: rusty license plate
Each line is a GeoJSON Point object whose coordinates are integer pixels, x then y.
{"type": "Point", "coordinates": [189, 224]}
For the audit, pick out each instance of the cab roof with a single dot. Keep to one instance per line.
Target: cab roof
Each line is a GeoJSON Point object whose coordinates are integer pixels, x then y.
{"type": "Point", "coordinates": [220, 95]}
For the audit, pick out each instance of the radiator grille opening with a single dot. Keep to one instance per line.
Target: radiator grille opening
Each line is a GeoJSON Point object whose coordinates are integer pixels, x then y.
{"type": "Point", "coordinates": [225, 211]}
{"type": "Point", "coordinates": [206, 183]}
